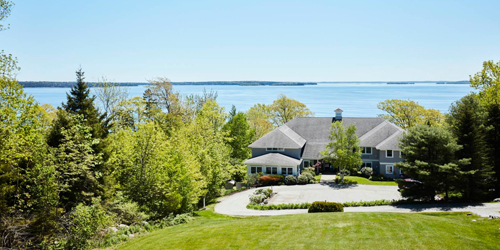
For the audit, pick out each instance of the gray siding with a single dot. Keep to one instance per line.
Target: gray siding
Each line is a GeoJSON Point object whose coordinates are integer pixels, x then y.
{"type": "Point", "coordinates": [295, 153]}
{"type": "Point", "coordinates": [385, 161]}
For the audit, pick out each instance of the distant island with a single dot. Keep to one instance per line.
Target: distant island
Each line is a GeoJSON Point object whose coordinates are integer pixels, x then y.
{"type": "Point", "coordinates": [50, 84]}
{"type": "Point", "coordinates": [456, 82]}
{"type": "Point", "coordinates": [400, 83]}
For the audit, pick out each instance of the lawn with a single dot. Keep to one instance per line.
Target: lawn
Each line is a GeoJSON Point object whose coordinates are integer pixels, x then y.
{"type": "Point", "coordinates": [364, 181]}
{"type": "Point", "coordinates": [327, 231]}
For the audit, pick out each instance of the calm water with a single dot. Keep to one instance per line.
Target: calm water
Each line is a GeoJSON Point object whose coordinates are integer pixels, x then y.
{"type": "Point", "coordinates": [356, 99]}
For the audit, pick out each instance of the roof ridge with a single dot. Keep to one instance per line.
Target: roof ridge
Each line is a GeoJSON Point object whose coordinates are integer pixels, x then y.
{"type": "Point", "coordinates": [388, 138]}
{"type": "Point", "coordinates": [373, 130]}
{"type": "Point", "coordinates": [284, 126]}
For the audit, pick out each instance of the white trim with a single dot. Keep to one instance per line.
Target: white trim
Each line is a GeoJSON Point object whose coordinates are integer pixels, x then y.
{"type": "Point", "coordinates": [392, 155]}
{"type": "Point", "coordinates": [392, 166]}
{"type": "Point", "coordinates": [364, 149]}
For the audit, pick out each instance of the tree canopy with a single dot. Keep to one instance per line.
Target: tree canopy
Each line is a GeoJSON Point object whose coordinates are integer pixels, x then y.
{"type": "Point", "coordinates": [407, 113]}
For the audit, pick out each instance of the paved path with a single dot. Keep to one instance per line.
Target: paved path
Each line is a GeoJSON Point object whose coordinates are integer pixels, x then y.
{"type": "Point", "coordinates": [236, 204]}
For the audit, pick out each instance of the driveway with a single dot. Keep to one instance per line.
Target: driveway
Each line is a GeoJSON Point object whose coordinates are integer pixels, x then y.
{"type": "Point", "coordinates": [236, 204]}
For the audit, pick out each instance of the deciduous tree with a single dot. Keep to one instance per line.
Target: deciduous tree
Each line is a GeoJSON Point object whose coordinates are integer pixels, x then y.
{"type": "Point", "coordinates": [407, 113]}
{"type": "Point", "coordinates": [343, 150]}
{"type": "Point", "coordinates": [285, 109]}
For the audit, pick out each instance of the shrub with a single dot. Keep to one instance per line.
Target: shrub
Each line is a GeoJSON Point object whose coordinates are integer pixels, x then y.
{"type": "Point", "coordinates": [366, 172]}
{"type": "Point", "coordinates": [355, 172]}
{"type": "Point", "coordinates": [85, 223]}
{"type": "Point", "coordinates": [302, 180]}
{"type": "Point", "coordinates": [346, 172]}
{"type": "Point", "coordinates": [125, 211]}
{"type": "Point", "coordinates": [309, 177]}
{"type": "Point", "coordinates": [309, 170]}
{"type": "Point", "coordinates": [257, 198]}
{"type": "Point", "coordinates": [265, 191]}
{"type": "Point", "coordinates": [379, 177]}
{"type": "Point", "coordinates": [272, 179]}
{"type": "Point", "coordinates": [252, 179]}
{"type": "Point", "coordinates": [346, 181]}
{"type": "Point", "coordinates": [290, 180]}
{"type": "Point", "coordinates": [323, 206]}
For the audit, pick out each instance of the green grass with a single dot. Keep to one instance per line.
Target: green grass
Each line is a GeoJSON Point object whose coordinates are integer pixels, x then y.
{"type": "Point", "coordinates": [327, 231]}
{"type": "Point", "coordinates": [318, 178]}
{"type": "Point", "coordinates": [364, 181]}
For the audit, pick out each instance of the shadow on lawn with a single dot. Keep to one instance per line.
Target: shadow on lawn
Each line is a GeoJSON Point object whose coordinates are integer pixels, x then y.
{"type": "Point", "coordinates": [445, 207]}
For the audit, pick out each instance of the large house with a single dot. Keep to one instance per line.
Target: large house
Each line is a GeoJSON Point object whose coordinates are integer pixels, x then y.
{"type": "Point", "coordinates": [290, 148]}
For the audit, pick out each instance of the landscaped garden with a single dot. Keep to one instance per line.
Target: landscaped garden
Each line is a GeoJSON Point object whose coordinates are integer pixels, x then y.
{"type": "Point", "coordinates": [365, 181]}
{"type": "Point", "coordinates": [326, 231]}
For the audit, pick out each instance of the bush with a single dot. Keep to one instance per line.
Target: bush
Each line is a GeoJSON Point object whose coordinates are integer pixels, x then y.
{"type": "Point", "coordinates": [85, 223]}
{"type": "Point", "coordinates": [323, 206]}
{"type": "Point", "coordinates": [309, 177]}
{"type": "Point", "coordinates": [366, 172]}
{"type": "Point", "coordinates": [379, 177]}
{"type": "Point", "coordinates": [302, 180]}
{"type": "Point", "coordinates": [346, 181]}
{"type": "Point", "coordinates": [252, 179]}
{"type": "Point", "coordinates": [257, 198]}
{"type": "Point", "coordinates": [290, 180]}
{"type": "Point", "coordinates": [346, 172]}
{"type": "Point", "coordinates": [272, 179]}
{"type": "Point", "coordinates": [309, 170]}
{"type": "Point", "coordinates": [125, 211]}
{"type": "Point", "coordinates": [355, 172]}
{"type": "Point", "coordinates": [265, 191]}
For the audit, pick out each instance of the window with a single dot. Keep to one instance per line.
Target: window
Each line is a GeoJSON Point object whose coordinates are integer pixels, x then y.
{"type": "Point", "coordinates": [389, 154]}
{"type": "Point", "coordinates": [252, 170]}
{"type": "Point", "coordinates": [259, 169]}
{"type": "Point", "coordinates": [283, 171]}
{"type": "Point", "coordinates": [268, 170]}
{"type": "Point", "coordinates": [367, 164]}
{"type": "Point", "coordinates": [389, 169]}
{"type": "Point", "coordinates": [290, 170]}
{"type": "Point", "coordinates": [366, 150]}
{"type": "Point", "coordinates": [275, 170]}
{"type": "Point", "coordinates": [306, 163]}
{"type": "Point", "coordinates": [275, 149]}
{"type": "Point", "coordinates": [400, 171]}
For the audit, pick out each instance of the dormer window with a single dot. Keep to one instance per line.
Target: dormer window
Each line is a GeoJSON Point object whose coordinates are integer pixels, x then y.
{"type": "Point", "coordinates": [366, 150]}
{"type": "Point", "coordinates": [275, 149]}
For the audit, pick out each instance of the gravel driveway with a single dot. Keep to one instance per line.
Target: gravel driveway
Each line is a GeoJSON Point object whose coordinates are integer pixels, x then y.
{"type": "Point", "coordinates": [236, 204]}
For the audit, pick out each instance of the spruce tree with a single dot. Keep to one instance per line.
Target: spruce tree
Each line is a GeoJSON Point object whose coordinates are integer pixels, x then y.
{"type": "Point", "coordinates": [466, 120]}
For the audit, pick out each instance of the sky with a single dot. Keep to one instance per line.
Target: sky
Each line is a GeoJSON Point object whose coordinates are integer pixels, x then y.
{"type": "Point", "coordinates": [132, 41]}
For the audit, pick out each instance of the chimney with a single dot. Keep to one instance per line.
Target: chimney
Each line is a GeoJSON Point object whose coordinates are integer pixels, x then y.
{"type": "Point", "coordinates": [338, 114]}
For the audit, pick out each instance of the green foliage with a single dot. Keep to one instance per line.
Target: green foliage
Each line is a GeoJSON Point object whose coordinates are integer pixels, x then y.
{"type": "Point", "coordinates": [366, 172]}
{"type": "Point", "coordinates": [348, 181]}
{"type": "Point", "coordinates": [304, 205]}
{"type": "Point", "coordinates": [284, 109]}
{"type": "Point", "coordinates": [290, 180]}
{"type": "Point", "coordinates": [323, 206]}
{"type": "Point", "coordinates": [252, 179]}
{"type": "Point", "coordinates": [407, 113]}
{"type": "Point", "coordinates": [488, 82]}
{"type": "Point", "coordinates": [343, 150]}
{"type": "Point", "coordinates": [259, 118]}
{"type": "Point", "coordinates": [310, 177]}
{"type": "Point", "coordinates": [265, 191]}
{"type": "Point", "coordinates": [239, 135]}
{"type": "Point", "coordinates": [125, 211]}
{"type": "Point", "coordinates": [230, 191]}
{"type": "Point", "coordinates": [8, 63]}
{"type": "Point", "coordinates": [430, 157]}
{"type": "Point", "coordinates": [466, 119]}
{"type": "Point", "coordinates": [5, 8]}
{"type": "Point", "coordinates": [271, 179]}
{"type": "Point", "coordinates": [85, 223]}
{"type": "Point", "coordinates": [302, 180]}
{"type": "Point", "coordinates": [257, 198]}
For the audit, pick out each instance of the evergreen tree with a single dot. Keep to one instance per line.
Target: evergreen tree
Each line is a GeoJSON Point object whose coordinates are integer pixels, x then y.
{"type": "Point", "coordinates": [466, 120]}
{"type": "Point", "coordinates": [493, 141]}
{"type": "Point", "coordinates": [430, 157]}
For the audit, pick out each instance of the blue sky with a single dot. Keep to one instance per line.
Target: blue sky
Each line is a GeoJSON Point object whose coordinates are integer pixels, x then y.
{"type": "Point", "coordinates": [252, 40]}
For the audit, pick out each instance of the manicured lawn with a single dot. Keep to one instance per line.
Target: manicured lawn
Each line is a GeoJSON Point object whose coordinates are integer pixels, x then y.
{"type": "Point", "coordinates": [327, 231]}
{"type": "Point", "coordinates": [364, 181]}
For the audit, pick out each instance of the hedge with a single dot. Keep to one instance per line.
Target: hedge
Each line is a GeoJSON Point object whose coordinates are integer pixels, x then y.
{"type": "Point", "coordinates": [272, 179]}
{"type": "Point", "coordinates": [323, 206]}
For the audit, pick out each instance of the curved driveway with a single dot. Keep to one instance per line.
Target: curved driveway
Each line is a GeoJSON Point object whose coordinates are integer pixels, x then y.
{"type": "Point", "coordinates": [236, 204]}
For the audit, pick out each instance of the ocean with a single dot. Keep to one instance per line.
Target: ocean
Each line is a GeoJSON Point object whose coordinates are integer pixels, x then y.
{"type": "Point", "coordinates": [356, 99]}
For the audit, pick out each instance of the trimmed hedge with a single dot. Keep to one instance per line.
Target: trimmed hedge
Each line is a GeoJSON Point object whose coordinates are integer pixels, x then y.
{"type": "Point", "coordinates": [272, 179]}
{"type": "Point", "coordinates": [323, 206]}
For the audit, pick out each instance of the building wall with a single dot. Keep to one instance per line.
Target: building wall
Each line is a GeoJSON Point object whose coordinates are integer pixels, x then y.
{"type": "Point", "coordinates": [295, 153]}
{"type": "Point", "coordinates": [385, 161]}
{"type": "Point", "coordinates": [280, 169]}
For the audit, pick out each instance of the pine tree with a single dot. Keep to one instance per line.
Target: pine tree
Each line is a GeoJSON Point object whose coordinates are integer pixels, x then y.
{"type": "Point", "coordinates": [466, 120]}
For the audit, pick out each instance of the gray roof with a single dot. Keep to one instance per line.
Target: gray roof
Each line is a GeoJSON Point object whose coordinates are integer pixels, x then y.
{"type": "Point", "coordinates": [273, 159]}
{"type": "Point", "coordinates": [314, 132]}
{"type": "Point", "coordinates": [282, 137]}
